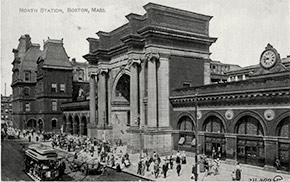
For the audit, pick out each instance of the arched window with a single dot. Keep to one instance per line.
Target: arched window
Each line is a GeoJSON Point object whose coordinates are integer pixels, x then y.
{"type": "Point", "coordinates": [214, 125]}
{"type": "Point", "coordinates": [250, 126]}
{"type": "Point", "coordinates": [185, 124]}
{"type": "Point", "coordinates": [186, 131]}
{"type": "Point", "coordinates": [123, 87]}
{"type": "Point", "coordinates": [284, 127]}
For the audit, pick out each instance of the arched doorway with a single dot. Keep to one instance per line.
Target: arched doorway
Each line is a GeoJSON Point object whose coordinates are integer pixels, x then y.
{"type": "Point", "coordinates": [250, 146]}
{"type": "Point", "coordinates": [40, 125]}
{"type": "Point", "coordinates": [186, 134]}
{"type": "Point", "coordinates": [76, 126]}
{"type": "Point", "coordinates": [70, 126]}
{"type": "Point", "coordinates": [214, 137]}
{"type": "Point", "coordinates": [64, 124]}
{"type": "Point", "coordinates": [84, 126]}
{"type": "Point", "coordinates": [31, 124]}
{"type": "Point", "coordinates": [283, 130]}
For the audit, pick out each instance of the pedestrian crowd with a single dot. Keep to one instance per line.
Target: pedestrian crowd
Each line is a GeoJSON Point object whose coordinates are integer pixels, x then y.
{"type": "Point", "coordinates": [157, 166]}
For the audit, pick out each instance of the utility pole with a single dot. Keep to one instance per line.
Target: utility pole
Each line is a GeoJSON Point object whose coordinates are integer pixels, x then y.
{"type": "Point", "coordinates": [196, 136]}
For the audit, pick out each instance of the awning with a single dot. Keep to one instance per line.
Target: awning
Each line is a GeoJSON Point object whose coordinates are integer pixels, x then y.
{"type": "Point", "coordinates": [181, 141]}
{"type": "Point", "coordinates": [193, 143]}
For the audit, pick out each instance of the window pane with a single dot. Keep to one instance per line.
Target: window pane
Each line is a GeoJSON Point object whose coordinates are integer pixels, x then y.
{"type": "Point", "coordinates": [53, 87]}
{"type": "Point", "coordinates": [62, 87]}
{"type": "Point", "coordinates": [241, 128]}
{"type": "Point", "coordinates": [54, 105]}
{"type": "Point", "coordinates": [216, 127]}
{"type": "Point", "coordinates": [252, 128]}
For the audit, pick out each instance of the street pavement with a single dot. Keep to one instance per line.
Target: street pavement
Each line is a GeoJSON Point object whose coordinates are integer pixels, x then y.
{"type": "Point", "coordinates": [249, 173]}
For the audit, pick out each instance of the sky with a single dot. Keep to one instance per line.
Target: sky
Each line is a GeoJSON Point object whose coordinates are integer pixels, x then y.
{"type": "Point", "coordinates": [243, 27]}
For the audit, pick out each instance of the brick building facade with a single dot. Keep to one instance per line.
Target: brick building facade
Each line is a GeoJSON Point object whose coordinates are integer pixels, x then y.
{"type": "Point", "coordinates": [246, 120]}
{"type": "Point", "coordinates": [42, 80]}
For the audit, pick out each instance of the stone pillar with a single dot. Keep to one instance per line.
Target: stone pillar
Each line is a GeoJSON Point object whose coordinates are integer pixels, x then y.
{"type": "Point", "coordinates": [152, 91]}
{"type": "Point", "coordinates": [142, 93]}
{"type": "Point", "coordinates": [271, 149]}
{"type": "Point", "coordinates": [102, 102]}
{"type": "Point", "coordinates": [201, 142]}
{"type": "Point", "coordinates": [67, 129]}
{"type": "Point", "coordinates": [75, 126]}
{"type": "Point", "coordinates": [92, 99]}
{"type": "Point", "coordinates": [134, 93]}
{"type": "Point", "coordinates": [231, 148]}
{"type": "Point", "coordinates": [163, 91]}
{"type": "Point", "coordinates": [81, 129]}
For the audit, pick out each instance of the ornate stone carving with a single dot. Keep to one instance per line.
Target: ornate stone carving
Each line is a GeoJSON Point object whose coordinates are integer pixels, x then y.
{"type": "Point", "coordinates": [152, 56]}
{"type": "Point", "coordinates": [269, 114]}
{"type": "Point", "coordinates": [199, 114]}
{"type": "Point", "coordinates": [229, 114]}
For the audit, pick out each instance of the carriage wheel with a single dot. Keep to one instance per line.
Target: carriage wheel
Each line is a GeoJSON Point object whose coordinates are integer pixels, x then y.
{"type": "Point", "coordinates": [84, 169]}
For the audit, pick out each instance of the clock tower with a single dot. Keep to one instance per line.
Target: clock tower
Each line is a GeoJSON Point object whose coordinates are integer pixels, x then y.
{"type": "Point", "coordinates": [270, 62]}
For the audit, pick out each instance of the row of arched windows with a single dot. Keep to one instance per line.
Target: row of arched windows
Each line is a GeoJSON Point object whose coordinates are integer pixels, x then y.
{"type": "Point", "coordinates": [247, 125]}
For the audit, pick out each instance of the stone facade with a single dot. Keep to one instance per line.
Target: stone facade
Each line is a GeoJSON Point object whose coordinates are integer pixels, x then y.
{"type": "Point", "coordinates": [134, 69]}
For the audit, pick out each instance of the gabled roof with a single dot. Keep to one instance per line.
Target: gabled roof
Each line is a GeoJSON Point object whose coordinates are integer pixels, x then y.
{"type": "Point", "coordinates": [54, 55]}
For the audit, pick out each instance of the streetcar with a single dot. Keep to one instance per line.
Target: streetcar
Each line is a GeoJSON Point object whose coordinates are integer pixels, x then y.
{"type": "Point", "coordinates": [42, 163]}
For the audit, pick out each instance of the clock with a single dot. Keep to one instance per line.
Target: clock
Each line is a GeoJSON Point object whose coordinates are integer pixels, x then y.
{"type": "Point", "coordinates": [268, 59]}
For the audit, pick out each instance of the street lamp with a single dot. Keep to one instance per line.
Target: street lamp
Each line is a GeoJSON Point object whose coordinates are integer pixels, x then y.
{"type": "Point", "coordinates": [196, 137]}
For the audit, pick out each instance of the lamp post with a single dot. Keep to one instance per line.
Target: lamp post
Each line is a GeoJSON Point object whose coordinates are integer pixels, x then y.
{"type": "Point", "coordinates": [196, 137]}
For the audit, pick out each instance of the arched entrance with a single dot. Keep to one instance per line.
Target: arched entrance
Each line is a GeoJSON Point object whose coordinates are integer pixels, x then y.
{"type": "Point", "coordinates": [250, 146]}
{"type": "Point", "coordinates": [76, 126]}
{"type": "Point", "coordinates": [64, 124]}
{"type": "Point", "coordinates": [214, 137]}
{"type": "Point", "coordinates": [283, 130]}
{"type": "Point", "coordinates": [31, 124]}
{"type": "Point", "coordinates": [70, 126]}
{"type": "Point", "coordinates": [186, 134]}
{"type": "Point", "coordinates": [40, 125]}
{"type": "Point", "coordinates": [84, 126]}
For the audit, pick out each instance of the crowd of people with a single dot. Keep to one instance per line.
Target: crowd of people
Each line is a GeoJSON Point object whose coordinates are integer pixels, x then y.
{"type": "Point", "coordinates": [108, 155]}
{"type": "Point", "coordinates": [157, 166]}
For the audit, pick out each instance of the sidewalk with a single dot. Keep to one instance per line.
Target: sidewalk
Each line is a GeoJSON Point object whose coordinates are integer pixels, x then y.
{"type": "Point", "coordinates": [249, 173]}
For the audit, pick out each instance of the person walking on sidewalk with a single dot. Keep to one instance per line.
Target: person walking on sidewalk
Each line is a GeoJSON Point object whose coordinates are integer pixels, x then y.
{"type": "Point", "coordinates": [171, 162]}
{"type": "Point", "coordinates": [165, 168]}
{"type": "Point", "coordinates": [156, 169]}
{"type": "Point", "coordinates": [238, 172]}
{"type": "Point", "coordinates": [178, 168]}
{"type": "Point", "coordinates": [194, 172]}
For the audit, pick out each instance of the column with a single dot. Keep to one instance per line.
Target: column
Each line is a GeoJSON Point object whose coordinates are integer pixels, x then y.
{"type": "Point", "coordinates": [92, 100]}
{"type": "Point", "coordinates": [134, 94]}
{"type": "Point", "coordinates": [81, 129]}
{"type": "Point", "coordinates": [102, 106]}
{"type": "Point", "coordinates": [231, 148]}
{"type": "Point", "coordinates": [270, 149]}
{"type": "Point", "coordinates": [152, 91]}
{"type": "Point", "coordinates": [67, 129]}
{"type": "Point", "coordinates": [75, 126]}
{"type": "Point", "coordinates": [141, 93]}
{"type": "Point", "coordinates": [163, 91]}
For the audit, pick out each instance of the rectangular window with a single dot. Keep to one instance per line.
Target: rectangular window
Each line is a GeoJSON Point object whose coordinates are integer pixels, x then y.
{"type": "Point", "coordinates": [53, 87]}
{"type": "Point", "coordinates": [186, 84]}
{"type": "Point", "coordinates": [27, 107]}
{"type": "Point", "coordinates": [54, 105]}
{"type": "Point", "coordinates": [27, 76]}
{"type": "Point", "coordinates": [62, 87]}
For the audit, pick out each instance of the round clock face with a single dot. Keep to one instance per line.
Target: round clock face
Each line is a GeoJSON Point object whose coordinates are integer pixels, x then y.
{"type": "Point", "coordinates": [268, 59]}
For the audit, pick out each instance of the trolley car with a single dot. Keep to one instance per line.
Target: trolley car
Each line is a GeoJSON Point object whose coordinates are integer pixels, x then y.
{"type": "Point", "coordinates": [42, 163]}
